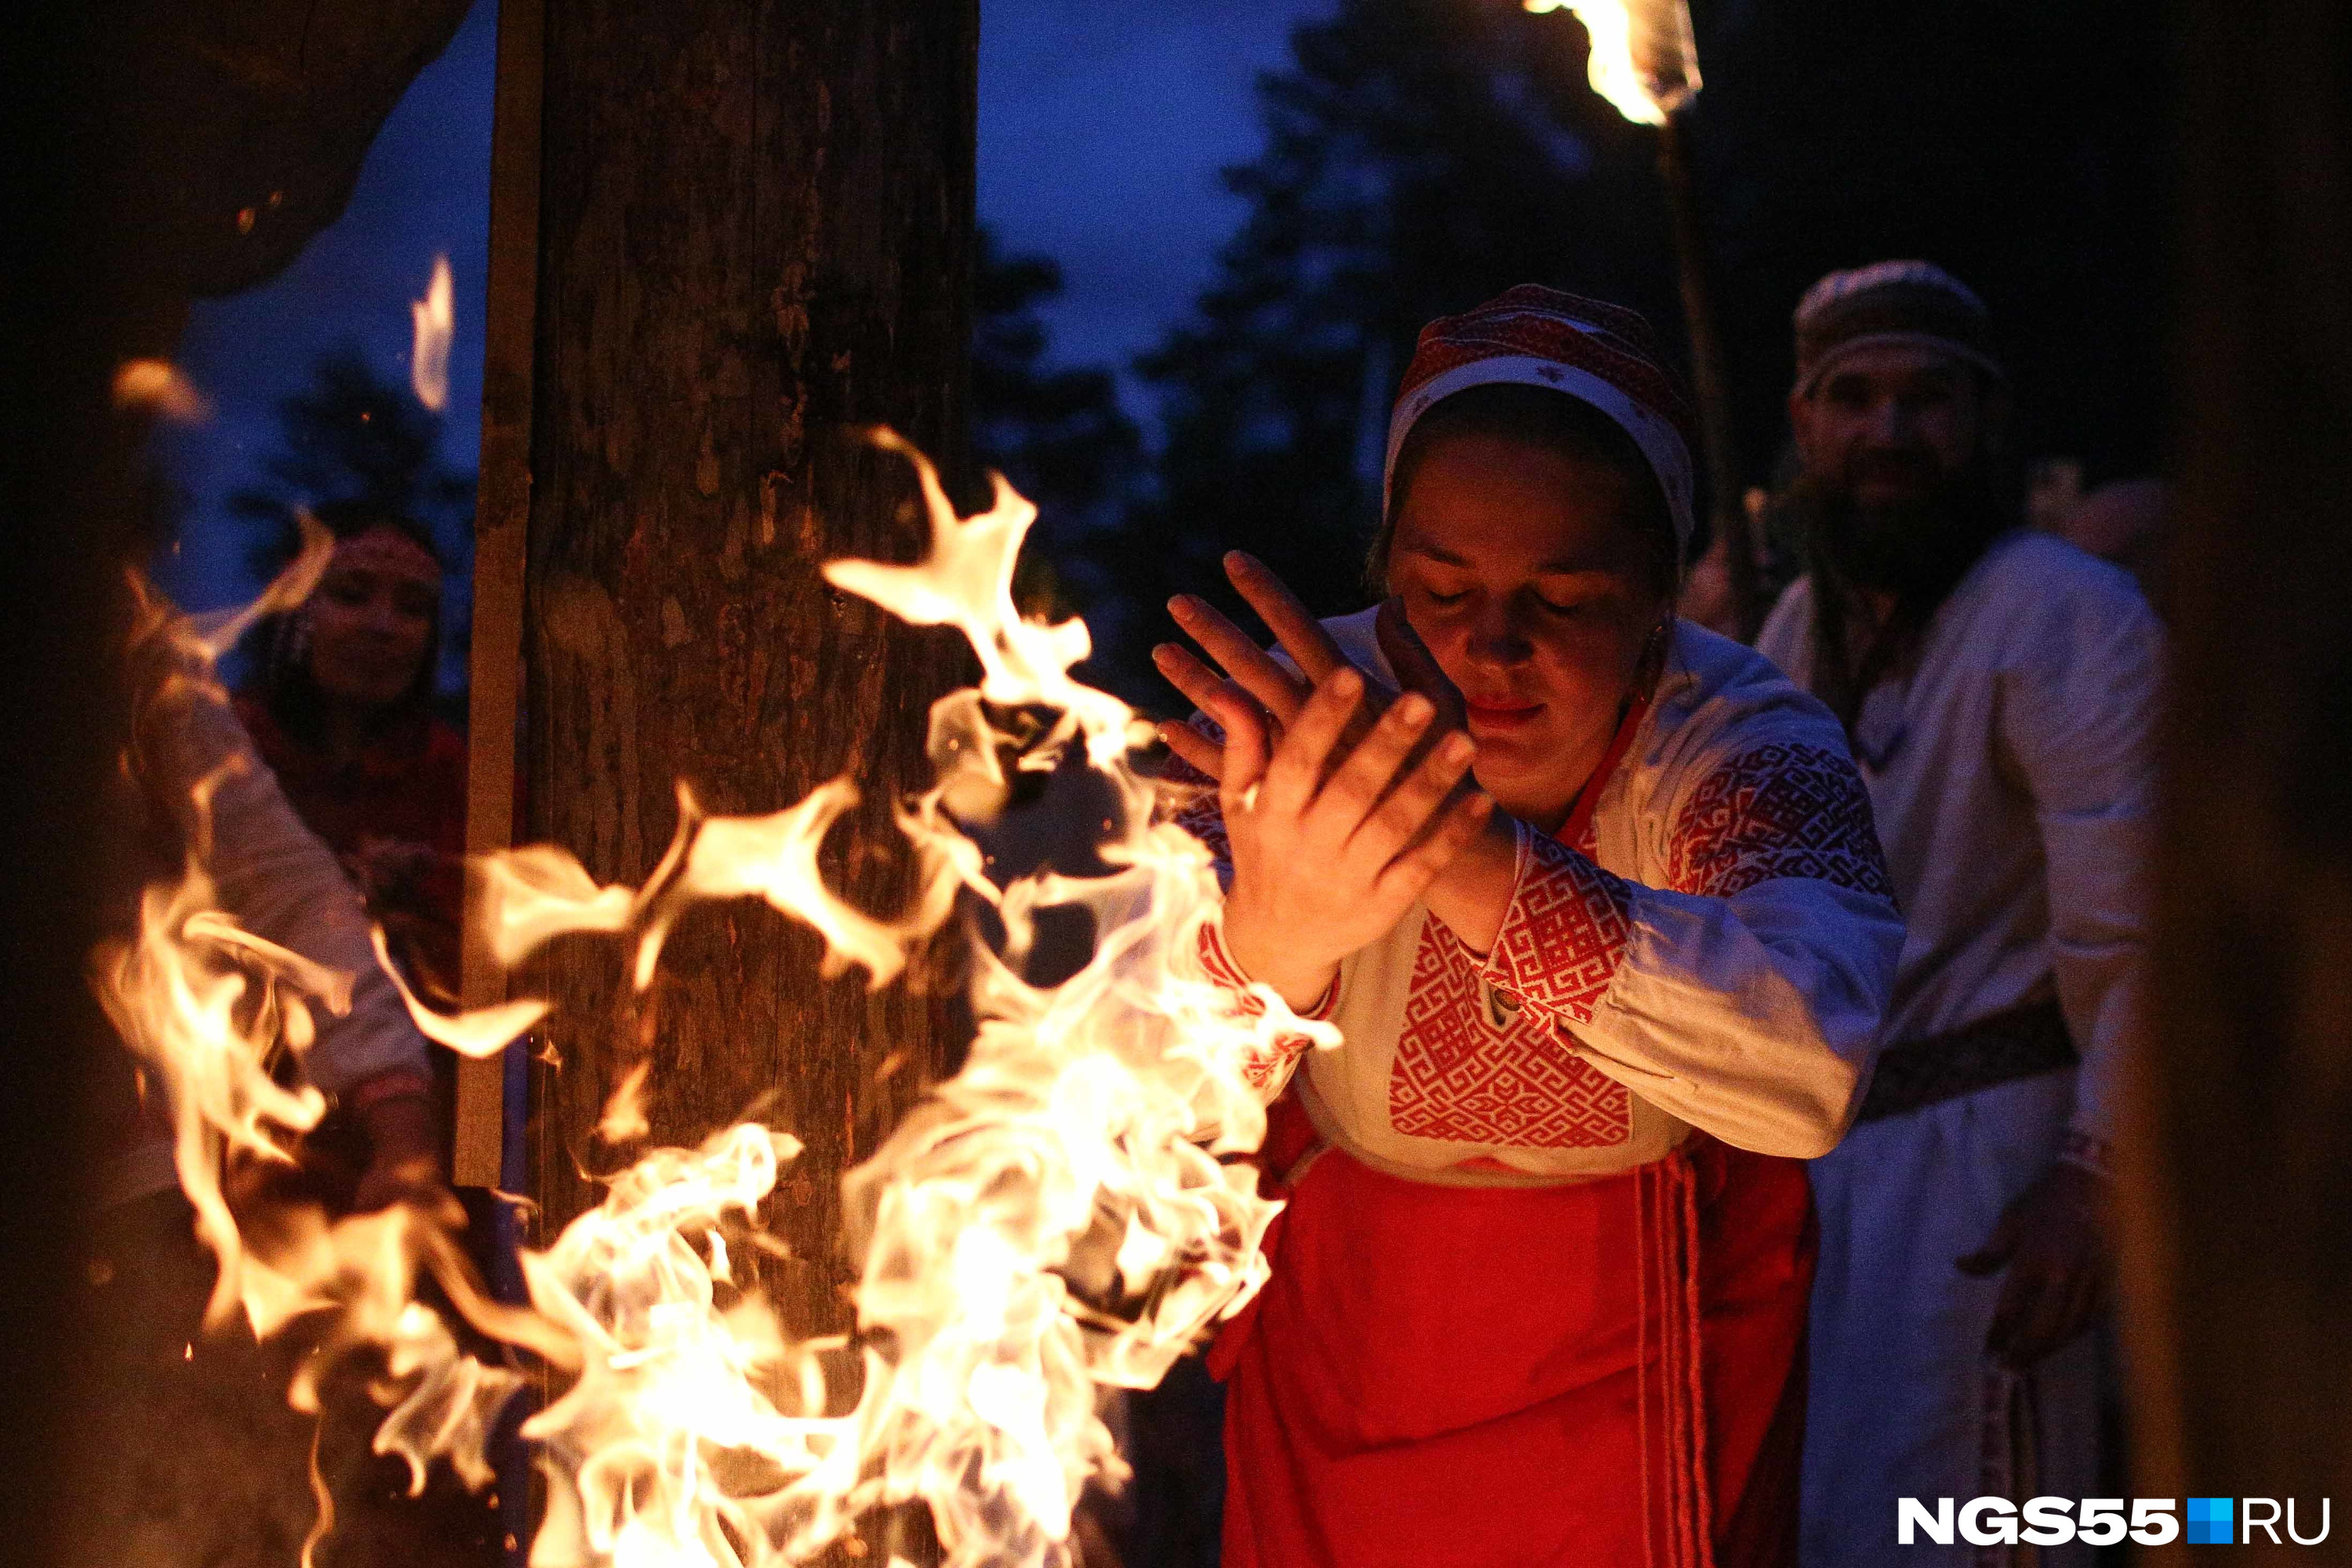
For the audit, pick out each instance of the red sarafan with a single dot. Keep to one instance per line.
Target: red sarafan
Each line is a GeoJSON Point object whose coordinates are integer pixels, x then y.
{"type": "Point", "coordinates": [1539, 1290]}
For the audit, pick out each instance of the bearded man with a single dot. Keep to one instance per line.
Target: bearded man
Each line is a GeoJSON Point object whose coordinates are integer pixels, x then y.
{"type": "Point", "coordinates": [2000, 687]}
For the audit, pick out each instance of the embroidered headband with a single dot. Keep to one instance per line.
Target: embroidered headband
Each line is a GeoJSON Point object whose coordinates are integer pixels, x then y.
{"type": "Point", "coordinates": [1598, 353]}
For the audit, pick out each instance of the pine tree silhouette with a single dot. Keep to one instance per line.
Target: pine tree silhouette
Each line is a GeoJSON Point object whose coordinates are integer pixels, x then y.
{"type": "Point", "coordinates": [1422, 155]}
{"type": "Point", "coordinates": [1061, 440]}
{"type": "Point", "coordinates": [355, 435]}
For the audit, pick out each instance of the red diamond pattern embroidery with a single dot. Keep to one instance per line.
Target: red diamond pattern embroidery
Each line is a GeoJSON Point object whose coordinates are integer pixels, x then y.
{"type": "Point", "coordinates": [1262, 1070]}
{"type": "Point", "coordinates": [1778, 811]}
{"type": "Point", "coordinates": [1462, 1077]}
{"type": "Point", "coordinates": [1565, 934]}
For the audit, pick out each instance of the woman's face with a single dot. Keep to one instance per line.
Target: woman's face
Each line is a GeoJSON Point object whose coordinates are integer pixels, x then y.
{"type": "Point", "coordinates": [1522, 569]}
{"type": "Point", "coordinates": [372, 618]}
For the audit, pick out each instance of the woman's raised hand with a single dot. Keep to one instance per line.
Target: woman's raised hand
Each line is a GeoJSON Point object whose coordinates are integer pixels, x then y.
{"type": "Point", "coordinates": [1342, 804]}
{"type": "Point", "coordinates": [1254, 675]}
{"type": "Point", "coordinates": [1330, 851]}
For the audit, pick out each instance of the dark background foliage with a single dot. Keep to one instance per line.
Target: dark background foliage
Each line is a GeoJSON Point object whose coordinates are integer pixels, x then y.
{"type": "Point", "coordinates": [1422, 155]}
{"type": "Point", "coordinates": [1418, 156]}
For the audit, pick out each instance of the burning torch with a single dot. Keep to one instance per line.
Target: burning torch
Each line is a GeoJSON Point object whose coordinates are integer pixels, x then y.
{"type": "Point", "coordinates": [1646, 65]}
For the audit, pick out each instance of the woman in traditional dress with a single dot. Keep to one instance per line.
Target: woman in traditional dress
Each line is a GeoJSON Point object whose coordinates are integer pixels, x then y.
{"type": "Point", "coordinates": [1594, 898]}
{"type": "Point", "coordinates": [341, 707]}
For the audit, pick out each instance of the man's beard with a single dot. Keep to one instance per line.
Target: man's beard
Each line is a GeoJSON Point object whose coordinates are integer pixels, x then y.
{"type": "Point", "coordinates": [1914, 548]}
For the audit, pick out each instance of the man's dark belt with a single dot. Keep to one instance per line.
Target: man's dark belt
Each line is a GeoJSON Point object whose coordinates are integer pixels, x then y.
{"type": "Point", "coordinates": [2014, 1042]}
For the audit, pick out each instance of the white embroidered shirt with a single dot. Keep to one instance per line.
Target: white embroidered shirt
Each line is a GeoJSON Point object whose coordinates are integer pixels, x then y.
{"type": "Point", "coordinates": [1715, 950]}
{"type": "Point", "coordinates": [2014, 778]}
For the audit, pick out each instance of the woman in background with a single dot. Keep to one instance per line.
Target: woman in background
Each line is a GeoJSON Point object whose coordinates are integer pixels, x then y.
{"type": "Point", "coordinates": [341, 707]}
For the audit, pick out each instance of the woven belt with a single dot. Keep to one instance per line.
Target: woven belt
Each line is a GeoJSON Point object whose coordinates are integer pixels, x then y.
{"type": "Point", "coordinates": [2017, 1042]}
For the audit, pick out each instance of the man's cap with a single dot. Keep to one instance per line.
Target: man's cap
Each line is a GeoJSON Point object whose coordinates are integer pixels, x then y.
{"type": "Point", "coordinates": [1598, 353]}
{"type": "Point", "coordinates": [1910, 303]}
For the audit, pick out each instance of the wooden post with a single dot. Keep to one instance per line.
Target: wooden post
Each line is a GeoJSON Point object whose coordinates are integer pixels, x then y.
{"type": "Point", "coordinates": [501, 525]}
{"type": "Point", "coordinates": [2236, 1265]}
{"type": "Point", "coordinates": [1726, 507]}
{"type": "Point", "coordinates": [756, 231]}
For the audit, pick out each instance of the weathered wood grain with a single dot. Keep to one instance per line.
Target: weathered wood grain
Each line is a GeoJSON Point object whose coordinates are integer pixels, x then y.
{"type": "Point", "coordinates": [755, 234]}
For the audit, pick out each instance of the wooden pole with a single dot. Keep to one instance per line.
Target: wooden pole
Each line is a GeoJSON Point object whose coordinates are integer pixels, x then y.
{"type": "Point", "coordinates": [1726, 510]}
{"type": "Point", "coordinates": [2238, 1306]}
{"type": "Point", "coordinates": [756, 233]}
{"type": "Point", "coordinates": [502, 526]}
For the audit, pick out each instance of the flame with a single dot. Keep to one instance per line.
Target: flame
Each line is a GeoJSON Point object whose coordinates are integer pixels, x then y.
{"type": "Point", "coordinates": [1643, 61]}
{"type": "Point", "coordinates": [428, 357]}
{"type": "Point", "coordinates": [206, 1007]}
{"type": "Point", "coordinates": [194, 645]}
{"type": "Point", "coordinates": [623, 1121]}
{"type": "Point", "coordinates": [1063, 1216]}
{"type": "Point", "coordinates": [159, 385]}
{"type": "Point", "coordinates": [191, 993]}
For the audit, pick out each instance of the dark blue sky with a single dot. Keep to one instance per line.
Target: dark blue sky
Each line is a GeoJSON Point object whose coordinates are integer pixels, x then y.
{"type": "Point", "coordinates": [424, 191]}
{"type": "Point", "coordinates": [1101, 131]}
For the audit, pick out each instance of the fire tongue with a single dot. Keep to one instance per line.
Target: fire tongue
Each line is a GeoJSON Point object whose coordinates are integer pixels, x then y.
{"type": "Point", "coordinates": [1057, 1219]}
{"type": "Point", "coordinates": [1644, 60]}
{"type": "Point", "coordinates": [435, 317]}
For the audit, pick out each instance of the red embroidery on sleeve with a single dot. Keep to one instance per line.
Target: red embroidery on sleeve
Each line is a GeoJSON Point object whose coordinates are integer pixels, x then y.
{"type": "Point", "coordinates": [1260, 1072]}
{"type": "Point", "coordinates": [1778, 811]}
{"type": "Point", "coordinates": [1469, 1074]}
{"type": "Point", "coordinates": [1565, 934]}
{"type": "Point", "coordinates": [1226, 971]}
